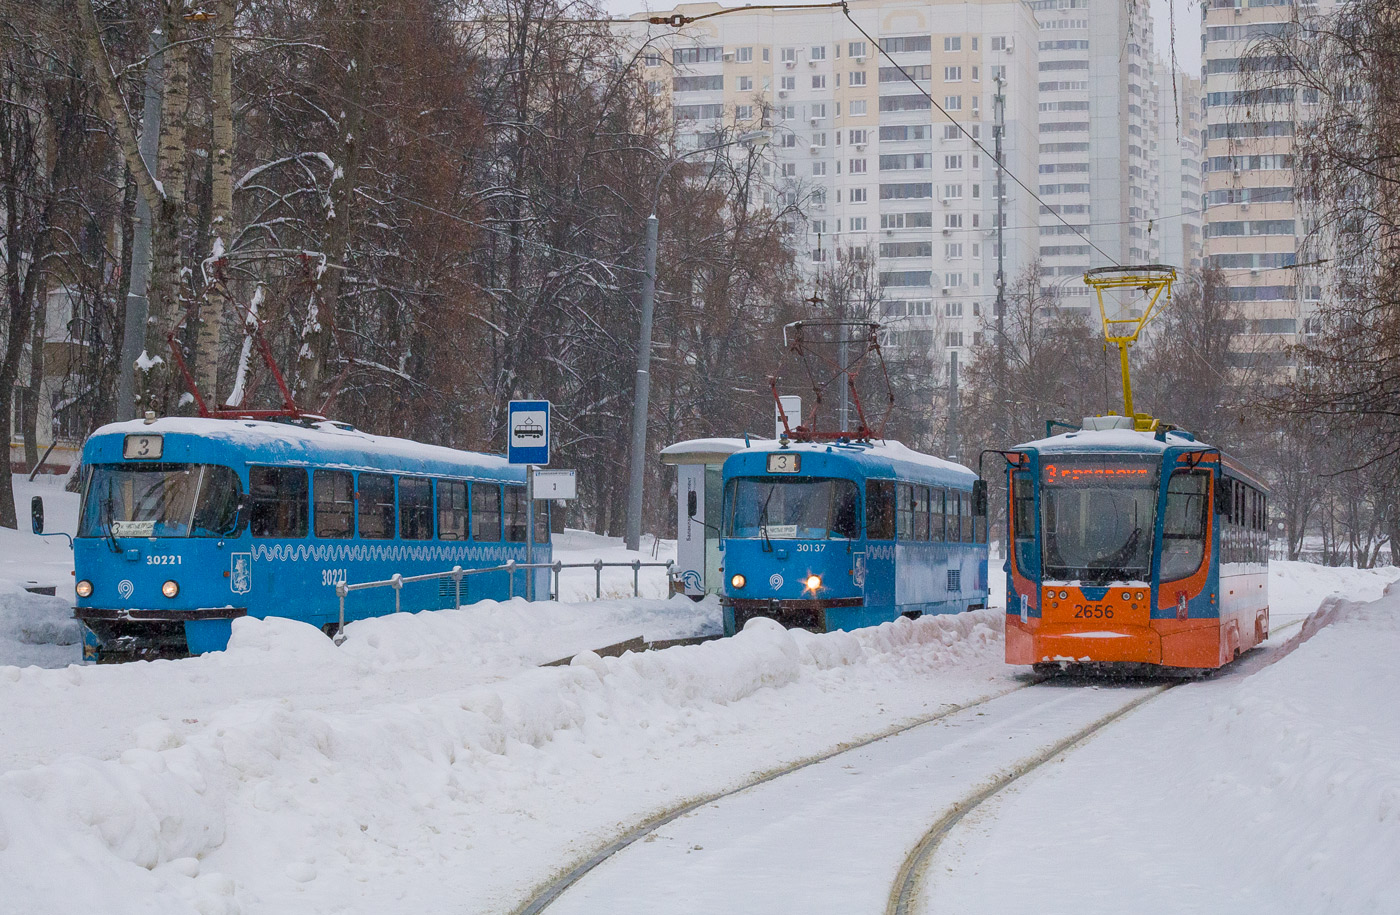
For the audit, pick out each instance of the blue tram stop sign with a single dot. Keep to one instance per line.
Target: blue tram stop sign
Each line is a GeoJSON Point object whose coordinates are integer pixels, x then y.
{"type": "Point", "coordinates": [527, 432]}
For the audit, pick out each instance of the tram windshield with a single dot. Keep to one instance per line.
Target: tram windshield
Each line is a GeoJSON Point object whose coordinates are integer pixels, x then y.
{"type": "Point", "coordinates": [1097, 518]}
{"type": "Point", "coordinates": [802, 508]}
{"type": "Point", "coordinates": [160, 500]}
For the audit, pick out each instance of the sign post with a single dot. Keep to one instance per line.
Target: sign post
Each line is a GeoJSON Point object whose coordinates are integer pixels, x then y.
{"type": "Point", "coordinates": [527, 442]}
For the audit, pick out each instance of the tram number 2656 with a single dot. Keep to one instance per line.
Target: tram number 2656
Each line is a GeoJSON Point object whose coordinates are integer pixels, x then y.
{"type": "Point", "coordinates": [1093, 612]}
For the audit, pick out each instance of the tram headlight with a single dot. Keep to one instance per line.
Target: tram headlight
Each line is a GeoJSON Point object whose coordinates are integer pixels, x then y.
{"type": "Point", "coordinates": [738, 581]}
{"type": "Point", "coordinates": [813, 582]}
{"type": "Point", "coordinates": [84, 588]}
{"type": "Point", "coordinates": [170, 589]}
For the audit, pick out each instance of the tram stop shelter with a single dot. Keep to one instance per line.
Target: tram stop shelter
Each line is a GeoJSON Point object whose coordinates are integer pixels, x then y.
{"type": "Point", "coordinates": [698, 463]}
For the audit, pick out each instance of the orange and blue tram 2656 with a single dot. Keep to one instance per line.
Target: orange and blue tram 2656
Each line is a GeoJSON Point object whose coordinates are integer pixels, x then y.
{"type": "Point", "coordinates": [1133, 549]}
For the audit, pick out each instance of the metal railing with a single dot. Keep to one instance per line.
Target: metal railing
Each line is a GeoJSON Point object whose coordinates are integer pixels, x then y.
{"type": "Point", "coordinates": [457, 573]}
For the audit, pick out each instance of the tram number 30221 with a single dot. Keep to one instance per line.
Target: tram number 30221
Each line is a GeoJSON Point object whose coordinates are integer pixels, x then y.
{"type": "Point", "coordinates": [1093, 612]}
{"type": "Point", "coordinates": [332, 576]}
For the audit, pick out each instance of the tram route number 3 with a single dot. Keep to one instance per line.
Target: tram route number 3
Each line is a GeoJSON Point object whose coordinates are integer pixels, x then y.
{"type": "Point", "coordinates": [1093, 612]}
{"type": "Point", "coordinates": [332, 576]}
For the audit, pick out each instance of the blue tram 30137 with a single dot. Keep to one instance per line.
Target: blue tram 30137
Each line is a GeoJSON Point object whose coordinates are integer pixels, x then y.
{"type": "Point", "coordinates": [839, 535]}
{"type": "Point", "coordinates": [188, 524]}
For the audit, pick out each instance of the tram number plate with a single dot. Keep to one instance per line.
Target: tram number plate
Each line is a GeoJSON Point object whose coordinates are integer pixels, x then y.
{"type": "Point", "coordinates": [784, 462]}
{"type": "Point", "coordinates": [1093, 612]}
{"type": "Point", "coordinates": [143, 447]}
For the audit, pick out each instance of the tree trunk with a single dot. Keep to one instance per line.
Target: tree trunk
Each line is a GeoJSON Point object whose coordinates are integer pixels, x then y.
{"type": "Point", "coordinates": [30, 417]}
{"type": "Point", "coordinates": [166, 261]}
{"type": "Point", "coordinates": [216, 297]}
{"type": "Point", "coordinates": [322, 311]}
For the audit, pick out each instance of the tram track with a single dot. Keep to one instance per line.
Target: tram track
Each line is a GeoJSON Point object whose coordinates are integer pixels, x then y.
{"type": "Point", "coordinates": [903, 890]}
{"type": "Point", "coordinates": [546, 895]}
{"type": "Point", "coordinates": [905, 893]}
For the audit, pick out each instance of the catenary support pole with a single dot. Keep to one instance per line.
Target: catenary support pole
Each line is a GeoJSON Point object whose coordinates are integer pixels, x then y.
{"type": "Point", "coordinates": [642, 395]}
{"type": "Point", "coordinates": [137, 304]}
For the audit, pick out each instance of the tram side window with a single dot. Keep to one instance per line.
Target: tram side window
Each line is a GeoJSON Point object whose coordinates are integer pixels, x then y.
{"type": "Point", "coordinates": [1184, 524]}
{"type": "Point", "coordinates": [1023, 520]}
{"type": "Point", "coordinates": [879, 510]}
{"type": "Point", "coordinates": [376, 506]}
{"type": "Point", "coordinates": [486, 512]}
{"type": "Point", "coordinates": [920, 512]}
{"type": "Point", "coordinates": [904, 503]}
{"type": "Point", "coordinates": [845, 510]}
{"type": "Point", "coordinates": [279, 501]}
{"type": "Point", "coordinates": [415, 508]}
{"type": "Point", "coordinates": [452, 510]}
{"type": "Point", "coordinates": [216, 515]}
{"type": "Point", "coordinates": [965, 515]}
{"type": "Point", "coordinates": [334, 495]}
{"type": "Point", "coordinates": [938, 524]}
{"type": "Point", "coordinates": [515, 514]}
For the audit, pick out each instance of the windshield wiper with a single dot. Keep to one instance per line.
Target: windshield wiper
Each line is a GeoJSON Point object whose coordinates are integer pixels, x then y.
{"type": "Point", "coordinates": [763, 520]}
{"type": "Point", "coordinates": [111, 537]}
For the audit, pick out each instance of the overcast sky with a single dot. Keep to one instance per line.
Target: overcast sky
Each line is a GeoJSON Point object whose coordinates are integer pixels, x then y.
{"type": "Point", "coordinates": [1188, 25]}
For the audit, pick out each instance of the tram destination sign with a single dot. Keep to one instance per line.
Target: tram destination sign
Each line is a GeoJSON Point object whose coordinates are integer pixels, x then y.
{"type": "Point", "coordinates": [527, 436]}
{"type": "Point", "coordinates": [1062, 474]}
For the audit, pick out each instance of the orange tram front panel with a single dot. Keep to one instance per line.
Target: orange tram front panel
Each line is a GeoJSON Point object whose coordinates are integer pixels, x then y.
{"type": "Point", "coordinates": [1200, 621]}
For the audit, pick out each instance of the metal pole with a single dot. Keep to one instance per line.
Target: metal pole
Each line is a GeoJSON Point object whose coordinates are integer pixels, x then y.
{"type": "Point", "coordinates": [999, 128]}
{"type": "Point", "coordinates": [510, 576]}
{"type": "Point", "coordinates": [597, 579]}
{"type": "Point", "coordinates": [636, 578]}
{"type": "Point", "coordinates": [529, 530]}
{"type": "Point", "coordinates": [341, 591]}
{"type": "Point", "coordinates": [457, 581]}
{"type": "Point", "coordinates": [642, 395]}
{"type": "Point", "coordinates": [137, 305]}
{"type": "Point", "coordinates": [954, 446]}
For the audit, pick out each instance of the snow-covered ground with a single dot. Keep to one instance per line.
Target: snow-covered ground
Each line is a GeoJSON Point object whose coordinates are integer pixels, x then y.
{"type": "Point", "coordinates": [430, 764]}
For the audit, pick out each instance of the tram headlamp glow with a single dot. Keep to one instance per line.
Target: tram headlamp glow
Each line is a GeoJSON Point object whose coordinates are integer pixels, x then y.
{"type": "Point", "coordinates": [170, 589]}
{"type": "Point", "coordinates": [84, 588]}
{"type": "Point", "coordinates": [738, 581]}
{"type": "Point", "coordinates": [813, 582]}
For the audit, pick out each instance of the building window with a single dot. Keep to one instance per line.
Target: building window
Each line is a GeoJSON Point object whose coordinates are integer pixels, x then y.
{"type": "Point", "coordinates": [697, 83]}
{"type": "Point", "coordinates": [857, 77]}
{"type": "Point", "coordinates": [857, 167]}
{"type": "Point", "coordinates": [952, 43]}
{"type": "Point", "coordinates": [952, 74]}
{"type": "Point", "coordinates": [953, 162]}
{"type": "Point", "coordinates": [743, 112]}
{"type": "Point", "coordinates": [819, 110]}
{"type": "Point", "coordinates": [789, 55]}
{"type": "Point", "coordinates": [952, 191]}
{"type": "Point", "coordinates": [819, 81]}
{"type": "Point", "coordinates": [858, 195]}
{"type": "Point", "coordinates": [998, 42]}
{"type": "Point", "coordinates": [743, 55]}
{"type": "Point", "coordinates": [819, 169]}
{"type": "Point", "coordinates": [858, 223]}
{"type": "Point", "coordinates": [952, 102]}
{"type": "Point", "coordinates": [857, 108]}
{"type": "Point", "coordinates": [818, 52]}
{"type": "Point", "coordinates": [787, 83]}
{"type": "Point", "coordinates": [697, 55]}
{"type": "Point", "coordinates": [856, 49]}
{"type": "Point", "coordinates": [953, 250]}
{"type": "Point", "coordinates": [746, 84]}
{"type": "Point", "coordinates": [652, 59]}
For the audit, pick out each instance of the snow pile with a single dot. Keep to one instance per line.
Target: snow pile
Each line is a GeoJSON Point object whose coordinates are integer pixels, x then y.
{"type": "Point", "coordinates": [1288, 799]}
{"type": "Point", "coordinates": [472, 795]}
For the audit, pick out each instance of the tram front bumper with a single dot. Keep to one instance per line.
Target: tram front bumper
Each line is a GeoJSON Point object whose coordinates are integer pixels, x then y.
{"type": "Point", "coordinates": [792, 614]}
{"type": "Point", "coordinates": [133, 634]}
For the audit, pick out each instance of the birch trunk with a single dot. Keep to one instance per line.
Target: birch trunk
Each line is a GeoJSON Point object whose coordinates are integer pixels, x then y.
{"type": "Point", "coordinates": [216, 296]}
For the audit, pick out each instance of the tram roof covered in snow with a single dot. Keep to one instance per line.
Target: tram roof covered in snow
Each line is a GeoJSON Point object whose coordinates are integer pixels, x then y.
{"type": "Point", "coordinates": [322, 444]}
{"type": "Point", "coordinates": [877, 457]}
{"type": "Point", "coordinates": [1116, 440]}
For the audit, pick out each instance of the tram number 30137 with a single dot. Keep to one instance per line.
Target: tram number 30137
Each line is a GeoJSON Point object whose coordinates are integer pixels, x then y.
{"type": "Point", "coordinates": [1092, 612]}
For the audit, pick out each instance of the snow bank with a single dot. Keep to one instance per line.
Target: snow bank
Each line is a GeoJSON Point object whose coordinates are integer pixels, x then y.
{"type": "Point", "coordinates": [472, 794]}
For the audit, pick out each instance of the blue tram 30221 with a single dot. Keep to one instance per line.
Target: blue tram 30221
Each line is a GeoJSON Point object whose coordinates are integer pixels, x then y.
{"type": "Point", "coordinates": [839, 535]}
{"type": "Point", "coordinates": [1133, 547]}
{"type": "Point", "coordinates": [190, 523]}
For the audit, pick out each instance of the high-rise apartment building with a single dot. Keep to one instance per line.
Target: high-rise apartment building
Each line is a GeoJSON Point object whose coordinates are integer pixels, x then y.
{"type": "Point", "coordinates": [1180, 134]}
{"type": "Point", "coordinates": [1253, 225]}
{"type": "Point", "coordinates": [1098, 146]}
{"type": "Point", "coordinates": [859, 147]}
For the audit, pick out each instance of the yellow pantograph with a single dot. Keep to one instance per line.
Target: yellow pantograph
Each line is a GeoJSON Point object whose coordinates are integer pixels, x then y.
{"type": "Point", "coordinates": [1124, 317]}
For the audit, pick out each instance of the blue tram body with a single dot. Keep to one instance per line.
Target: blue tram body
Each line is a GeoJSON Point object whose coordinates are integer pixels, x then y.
{"type": "Point", "coordinates": [188, 524]}
{"type": "Point", "coordinates": [1130, 548]}
{"type": "Point", "coordinates": [849, 534]}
